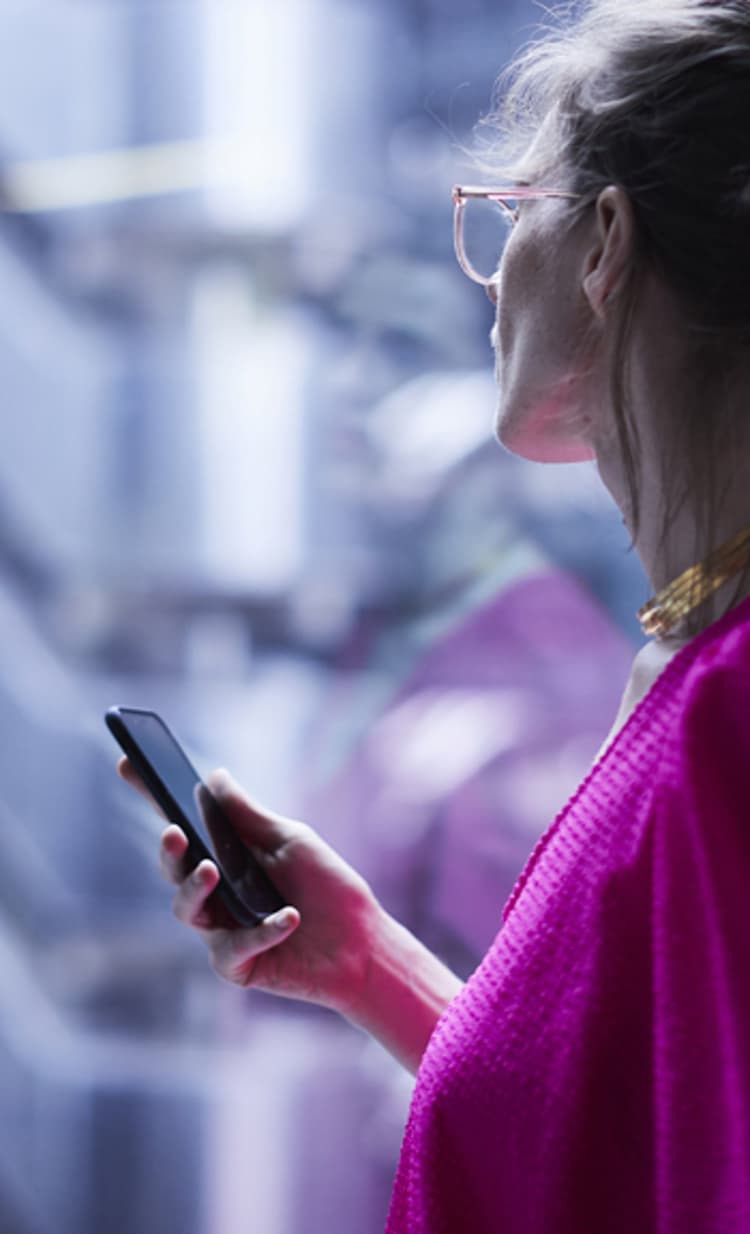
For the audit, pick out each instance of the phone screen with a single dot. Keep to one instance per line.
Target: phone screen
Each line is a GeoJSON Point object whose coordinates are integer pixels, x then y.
{"type": "Point", "coordinates": [173, 781]}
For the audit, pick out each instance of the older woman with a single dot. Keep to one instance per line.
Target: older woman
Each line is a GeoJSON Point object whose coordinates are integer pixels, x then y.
{"type": "Point", "coordinates": [594, 1072]}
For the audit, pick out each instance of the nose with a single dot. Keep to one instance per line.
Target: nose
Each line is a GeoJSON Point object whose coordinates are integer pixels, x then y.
{"type": "Point", "coordinates": [491, 289]}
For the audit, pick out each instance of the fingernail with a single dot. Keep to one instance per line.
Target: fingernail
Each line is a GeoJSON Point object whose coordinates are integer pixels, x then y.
{"type": "Point", "coordinates": [220, 781]}
{"type": "Point", "coordinates": [283, 920]}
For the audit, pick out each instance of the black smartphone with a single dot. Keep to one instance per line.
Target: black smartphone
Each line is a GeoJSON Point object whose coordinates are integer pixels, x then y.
{"type": "Point", "coordinates": [170, 777]}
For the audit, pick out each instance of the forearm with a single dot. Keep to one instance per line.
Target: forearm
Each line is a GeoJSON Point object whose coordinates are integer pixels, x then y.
{"type": "Point", "coordinates": [406, 990]}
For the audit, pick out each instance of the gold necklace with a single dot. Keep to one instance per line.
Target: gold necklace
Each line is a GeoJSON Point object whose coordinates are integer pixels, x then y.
{"type": "Point", "coordinates": [660, 614]}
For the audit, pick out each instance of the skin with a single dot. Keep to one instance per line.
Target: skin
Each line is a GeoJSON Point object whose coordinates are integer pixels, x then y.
{"type": "Point", "coordinates": [556, 294]}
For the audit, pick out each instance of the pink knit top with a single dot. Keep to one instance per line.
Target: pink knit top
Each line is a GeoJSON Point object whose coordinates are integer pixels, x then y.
{"type": "Point", "coordinates": [593, 1076]}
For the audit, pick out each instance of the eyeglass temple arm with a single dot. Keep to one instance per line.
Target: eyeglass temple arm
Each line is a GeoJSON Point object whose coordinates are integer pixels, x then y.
{"type": "Point", "coordinates": [462, 192]}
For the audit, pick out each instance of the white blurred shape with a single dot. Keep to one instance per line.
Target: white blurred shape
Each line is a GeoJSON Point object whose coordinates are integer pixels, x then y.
{"type": "Point", "coordinates": [251, 381]}
{"type": "Point", "coordinates": [434, 741]}
{"type": "Point", "coordinates": [429, 424]}
{"type": "Point", "coordinates": [257, 86]}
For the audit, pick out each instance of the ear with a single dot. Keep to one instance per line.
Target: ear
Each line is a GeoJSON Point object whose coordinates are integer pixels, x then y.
{"type": "Point", "coordinates": [610, 253]}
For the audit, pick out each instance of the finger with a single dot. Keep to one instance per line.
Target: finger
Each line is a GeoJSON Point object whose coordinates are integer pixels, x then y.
{"type": "Point", "coordinates": [233, 951]}
{"type": "Point", "coordinates": [253, 822]}
{"type": "Point", "coordinates": [189, 902]}
{"type": "Point", "coordinates": [174, 846]}
{"type": "Point", "coordinates": [128, 773]}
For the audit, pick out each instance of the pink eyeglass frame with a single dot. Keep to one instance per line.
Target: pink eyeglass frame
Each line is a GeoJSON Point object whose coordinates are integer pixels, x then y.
{"type": "Point", "coordinates": [463, 193]}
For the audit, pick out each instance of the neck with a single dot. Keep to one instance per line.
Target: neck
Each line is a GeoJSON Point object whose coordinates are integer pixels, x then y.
{"type": "Point", "coordinates": [693, 587]}
{"type": "Point", "coordinates": [667, 393]}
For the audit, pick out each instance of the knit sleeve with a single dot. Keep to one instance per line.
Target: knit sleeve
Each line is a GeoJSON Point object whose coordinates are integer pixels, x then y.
{"type": "Point", "coordinates": [701, 956]}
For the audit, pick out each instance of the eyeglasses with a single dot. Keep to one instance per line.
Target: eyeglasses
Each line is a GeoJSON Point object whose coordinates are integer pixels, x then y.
{"type": "Point", "coordinates": [482, 220]}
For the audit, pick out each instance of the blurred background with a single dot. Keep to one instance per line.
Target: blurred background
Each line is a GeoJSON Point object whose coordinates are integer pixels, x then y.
{"type": "Point", "coordinates": [248, 479]}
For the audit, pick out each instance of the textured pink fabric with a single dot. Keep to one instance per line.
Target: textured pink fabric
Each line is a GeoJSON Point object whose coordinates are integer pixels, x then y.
{"type": "Point", "coordinates": [594, 1073]}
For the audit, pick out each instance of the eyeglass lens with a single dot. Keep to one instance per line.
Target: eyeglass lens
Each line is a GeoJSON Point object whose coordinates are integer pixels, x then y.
{"type": "Point", "coordinates": [486, 227]}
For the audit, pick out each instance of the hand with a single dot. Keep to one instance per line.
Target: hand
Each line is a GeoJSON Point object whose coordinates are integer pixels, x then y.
{"type": "Point", "coordinates": [318, 948]}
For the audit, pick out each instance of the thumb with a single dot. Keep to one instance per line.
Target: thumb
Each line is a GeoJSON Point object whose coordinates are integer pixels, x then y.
{"type": "Point", "coordinates": [253, 822]}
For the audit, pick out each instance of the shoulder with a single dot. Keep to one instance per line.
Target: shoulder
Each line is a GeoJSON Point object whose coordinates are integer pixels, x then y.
{"type": "Point", "coordinates": [715, 687]}
{"type": "Point", "coordinates": [706, 751]}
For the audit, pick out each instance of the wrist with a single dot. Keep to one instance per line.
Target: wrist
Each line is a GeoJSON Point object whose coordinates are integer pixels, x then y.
{"type": "Point", "coordinates": [403, 992]}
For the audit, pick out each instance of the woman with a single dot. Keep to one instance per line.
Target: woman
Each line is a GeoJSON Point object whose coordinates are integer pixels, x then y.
{"type": "Point", "coordinates": [594, 1072]}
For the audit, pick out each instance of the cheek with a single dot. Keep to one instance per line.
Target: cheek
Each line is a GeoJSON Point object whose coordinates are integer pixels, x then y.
{"type": "Point", "coordinates": [520, 285]}
{"type": "Point", "coordinates": [540, 316]}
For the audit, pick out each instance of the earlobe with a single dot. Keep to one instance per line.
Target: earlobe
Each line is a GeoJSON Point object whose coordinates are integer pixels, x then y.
{"type": "Point", "coordinates": [609, 257]}
{"type": "Point", "coordinates": [596, 293]}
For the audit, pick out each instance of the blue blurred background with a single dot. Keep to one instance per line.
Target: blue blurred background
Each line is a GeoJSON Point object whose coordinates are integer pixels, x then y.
{"type": "Point", "coordinates": [248, 479]}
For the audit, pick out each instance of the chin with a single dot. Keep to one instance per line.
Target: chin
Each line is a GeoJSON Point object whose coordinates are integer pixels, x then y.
{"type": "Point", "coordinates": [544, 449]}
{"type": "Point", "coordinates": [560, 452]}
{"type": "Point", "coordinates": [543, 434]}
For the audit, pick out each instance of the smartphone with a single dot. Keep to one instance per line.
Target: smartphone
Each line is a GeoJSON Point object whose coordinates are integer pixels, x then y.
{"type": "Point", "coordinates": [244, 888]}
